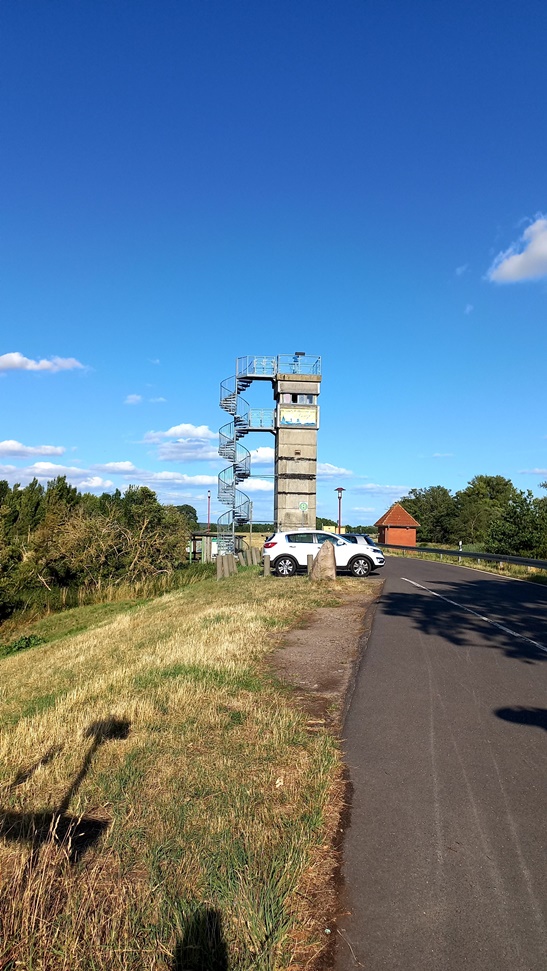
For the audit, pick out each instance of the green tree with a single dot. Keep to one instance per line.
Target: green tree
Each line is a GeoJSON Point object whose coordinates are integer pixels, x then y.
{"type": "Point", "coordinates": [189, 513]}
{"type": "Point", "coordinates": [59, 493]}
{"type": "Point", "coordinates": [515, 530]}
{"type": "Point", "coordinates": [31, 508]}
{"type": "Point", "coordinates": [484, 500]}
{"type": "Point", "coordinates": [435, 510]}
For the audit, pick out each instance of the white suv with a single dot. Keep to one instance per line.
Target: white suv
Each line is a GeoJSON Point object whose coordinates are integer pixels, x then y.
{"type": "Point", "coordinates": [289, 551]}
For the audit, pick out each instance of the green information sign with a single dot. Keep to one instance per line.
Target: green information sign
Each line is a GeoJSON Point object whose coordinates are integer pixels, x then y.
{"type": "Point", "coordinates": [303, 506]}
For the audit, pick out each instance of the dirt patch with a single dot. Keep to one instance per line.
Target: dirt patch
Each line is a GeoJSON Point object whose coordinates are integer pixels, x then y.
{"type": "Point", "coordinates": [320, 659]}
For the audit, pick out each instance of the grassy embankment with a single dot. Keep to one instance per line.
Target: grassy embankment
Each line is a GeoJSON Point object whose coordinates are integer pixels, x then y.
{"type": "Point", "coordinates": [186, 795]}
{"type": "Point", "coordinates": [531, 573]}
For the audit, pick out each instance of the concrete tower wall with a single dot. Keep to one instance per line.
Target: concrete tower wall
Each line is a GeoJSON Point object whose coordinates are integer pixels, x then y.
{"type": "Point", "coordinates": [297, 421]}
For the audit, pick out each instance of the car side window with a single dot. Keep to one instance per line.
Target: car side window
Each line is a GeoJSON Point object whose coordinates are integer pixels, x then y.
{"type": "Point", "coordinates": [327, 537]}
{"type": "Point", "coordinates": [300, 538]}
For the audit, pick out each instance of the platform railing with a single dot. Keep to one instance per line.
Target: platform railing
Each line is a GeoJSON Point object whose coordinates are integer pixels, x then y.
{"type": "Point", "coordinates": [261, 419]}
{"type": "Point", "coordinates": [267, 367]}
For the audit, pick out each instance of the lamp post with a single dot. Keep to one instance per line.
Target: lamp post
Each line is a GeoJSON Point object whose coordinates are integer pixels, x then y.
{"type": "Point", "coordinates": [340, 490]}
{"type": "Point", "coordinates": [209, 511]}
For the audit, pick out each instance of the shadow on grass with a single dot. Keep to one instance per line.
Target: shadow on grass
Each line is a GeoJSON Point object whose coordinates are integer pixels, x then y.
{"type": "Point", "coordinates": [75, 834]}
{"type": "Point", "coordinates": [202, 946]}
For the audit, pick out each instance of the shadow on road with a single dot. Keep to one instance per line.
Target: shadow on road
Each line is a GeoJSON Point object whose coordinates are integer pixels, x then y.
{"type": "Point", "coordinates": [519, 607]}
{"type": "Point", "coordinates": [536, 717]}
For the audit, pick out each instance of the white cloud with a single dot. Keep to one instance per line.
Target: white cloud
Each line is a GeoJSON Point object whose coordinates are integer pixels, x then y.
{"type": "Point", "coordinates": [157, 401]}
{"type": "Point", "coordinates": [45, 471]}
{"type": "Point", "coordinates": [189, 451]}
{"type": "Point", "coordinates": [17, 450]}
{"type": "Point", "coordinates": [95, 482]}
{"type": "Point", "coordinates": [375, 489]}
{"type": "Point", "coordinates": [526, 259]}
{"type": "Point", "coordinates": [178, 477]}
{"type": "Point", "coordinates": [132, 474]}
{"type": "Point", "coordinates": [116, 467]}
{"type": "Point", "coordinates": [14, 361]}
{"type": "Point", "coordinates": [469, 308]}
{"type": "Point", "coordinates": [186, 431]}
{"type": "Point", "coordinates": [442, 455]}
{"type": "Point", "coordinates": [133, 399]}
{"type": "Point", "coordinates": [190, 443]}
{"type": "Point", "coordinates": [264, 455]}
{"type": "Point", "coordinates": [362, 509]}
{"type": "Point", "coordinates": [50, 469]}
{"type": "Point", "coordinates": [460, 270]}
{"type": "Point", "coordinates": [327, 471]}
{"type": "Point", "coordinates": [532, 471]}
{"type": "Point", "coordinates": [256, 485]}
{"type": "Point", "coordinates": [88, 479]}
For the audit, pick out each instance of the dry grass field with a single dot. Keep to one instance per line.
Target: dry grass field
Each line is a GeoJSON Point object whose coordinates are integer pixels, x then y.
{"type": "Point", "coordinates": [162, 800]}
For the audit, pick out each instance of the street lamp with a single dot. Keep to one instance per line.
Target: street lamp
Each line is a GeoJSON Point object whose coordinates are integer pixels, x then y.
{"type": "Point", "coordinates": [340, 490]}
{"type": "Point", "coordinates": [209, 511]}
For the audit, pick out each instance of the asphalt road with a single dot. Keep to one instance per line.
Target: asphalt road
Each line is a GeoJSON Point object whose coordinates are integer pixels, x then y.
{"type": "Point", "coordinates": [445, 862]}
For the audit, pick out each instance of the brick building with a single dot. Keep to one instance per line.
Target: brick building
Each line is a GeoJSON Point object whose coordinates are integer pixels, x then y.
{"type": "Point", "coordinates": [397, 527]}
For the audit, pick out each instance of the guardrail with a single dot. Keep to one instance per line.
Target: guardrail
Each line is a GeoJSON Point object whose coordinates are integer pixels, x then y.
{"type": "Point", "coordinates": [462, 554]}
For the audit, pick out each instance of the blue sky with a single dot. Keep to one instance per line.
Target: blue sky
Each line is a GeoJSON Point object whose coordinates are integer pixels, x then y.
{"type": "Point", "coordinates": [187, 181]}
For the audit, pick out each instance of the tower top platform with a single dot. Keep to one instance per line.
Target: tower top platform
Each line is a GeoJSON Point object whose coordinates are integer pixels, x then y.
{"type": "Point", "coordinates": [257, 367]}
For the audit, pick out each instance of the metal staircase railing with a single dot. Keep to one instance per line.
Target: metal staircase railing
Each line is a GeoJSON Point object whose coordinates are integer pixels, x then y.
{"type": "Point", "coordinates": [230, 447]}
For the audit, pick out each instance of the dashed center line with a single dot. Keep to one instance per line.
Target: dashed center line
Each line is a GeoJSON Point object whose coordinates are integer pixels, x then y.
{"type": "Point", "coordinates": [494, 623]}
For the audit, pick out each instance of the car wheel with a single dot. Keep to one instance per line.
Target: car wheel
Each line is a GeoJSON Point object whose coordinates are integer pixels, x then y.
{"type": "Point", "coordinates": [285, 566]}
{"type": "Point", "coordinates": [360, 566]}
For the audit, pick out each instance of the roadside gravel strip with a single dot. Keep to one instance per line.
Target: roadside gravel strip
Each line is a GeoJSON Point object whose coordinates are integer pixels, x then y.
{"type": "Point", "coordinates": [321, 659]}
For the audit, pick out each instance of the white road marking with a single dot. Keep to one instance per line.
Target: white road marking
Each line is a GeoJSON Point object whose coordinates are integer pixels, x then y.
{"type": "Point", "coordinates": [506, 630]}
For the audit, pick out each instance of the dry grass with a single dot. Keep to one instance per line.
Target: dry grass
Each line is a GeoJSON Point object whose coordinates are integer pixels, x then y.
{"type": "Point", "coordinates": [161, 802]}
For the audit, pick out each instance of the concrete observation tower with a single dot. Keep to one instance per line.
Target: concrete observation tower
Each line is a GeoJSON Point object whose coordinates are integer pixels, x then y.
{"type": "Point", "coordinates": [294, 421]}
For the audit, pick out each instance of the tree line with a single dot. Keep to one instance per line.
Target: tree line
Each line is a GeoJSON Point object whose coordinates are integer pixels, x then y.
{"type": "Point", "coordinates": [490, 514]}
{"type": "Point", "coordinates": [54, 538]}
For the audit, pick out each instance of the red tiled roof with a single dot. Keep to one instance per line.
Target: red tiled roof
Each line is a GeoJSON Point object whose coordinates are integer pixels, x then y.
{"type": "Point", "coordinates": [397, 516]}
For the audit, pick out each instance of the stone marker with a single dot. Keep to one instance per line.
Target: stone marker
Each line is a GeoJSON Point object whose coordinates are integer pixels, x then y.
{"type": "Point", "coordinates": [324, 566]}
{"type": "Point", "coordinates": [266, 566]}
{"type": "Point", "coordinates": [309, 560]}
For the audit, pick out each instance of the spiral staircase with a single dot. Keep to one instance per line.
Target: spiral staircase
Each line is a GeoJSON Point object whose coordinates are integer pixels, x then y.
{"type": "Point", "coordinates": [244, 420]}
